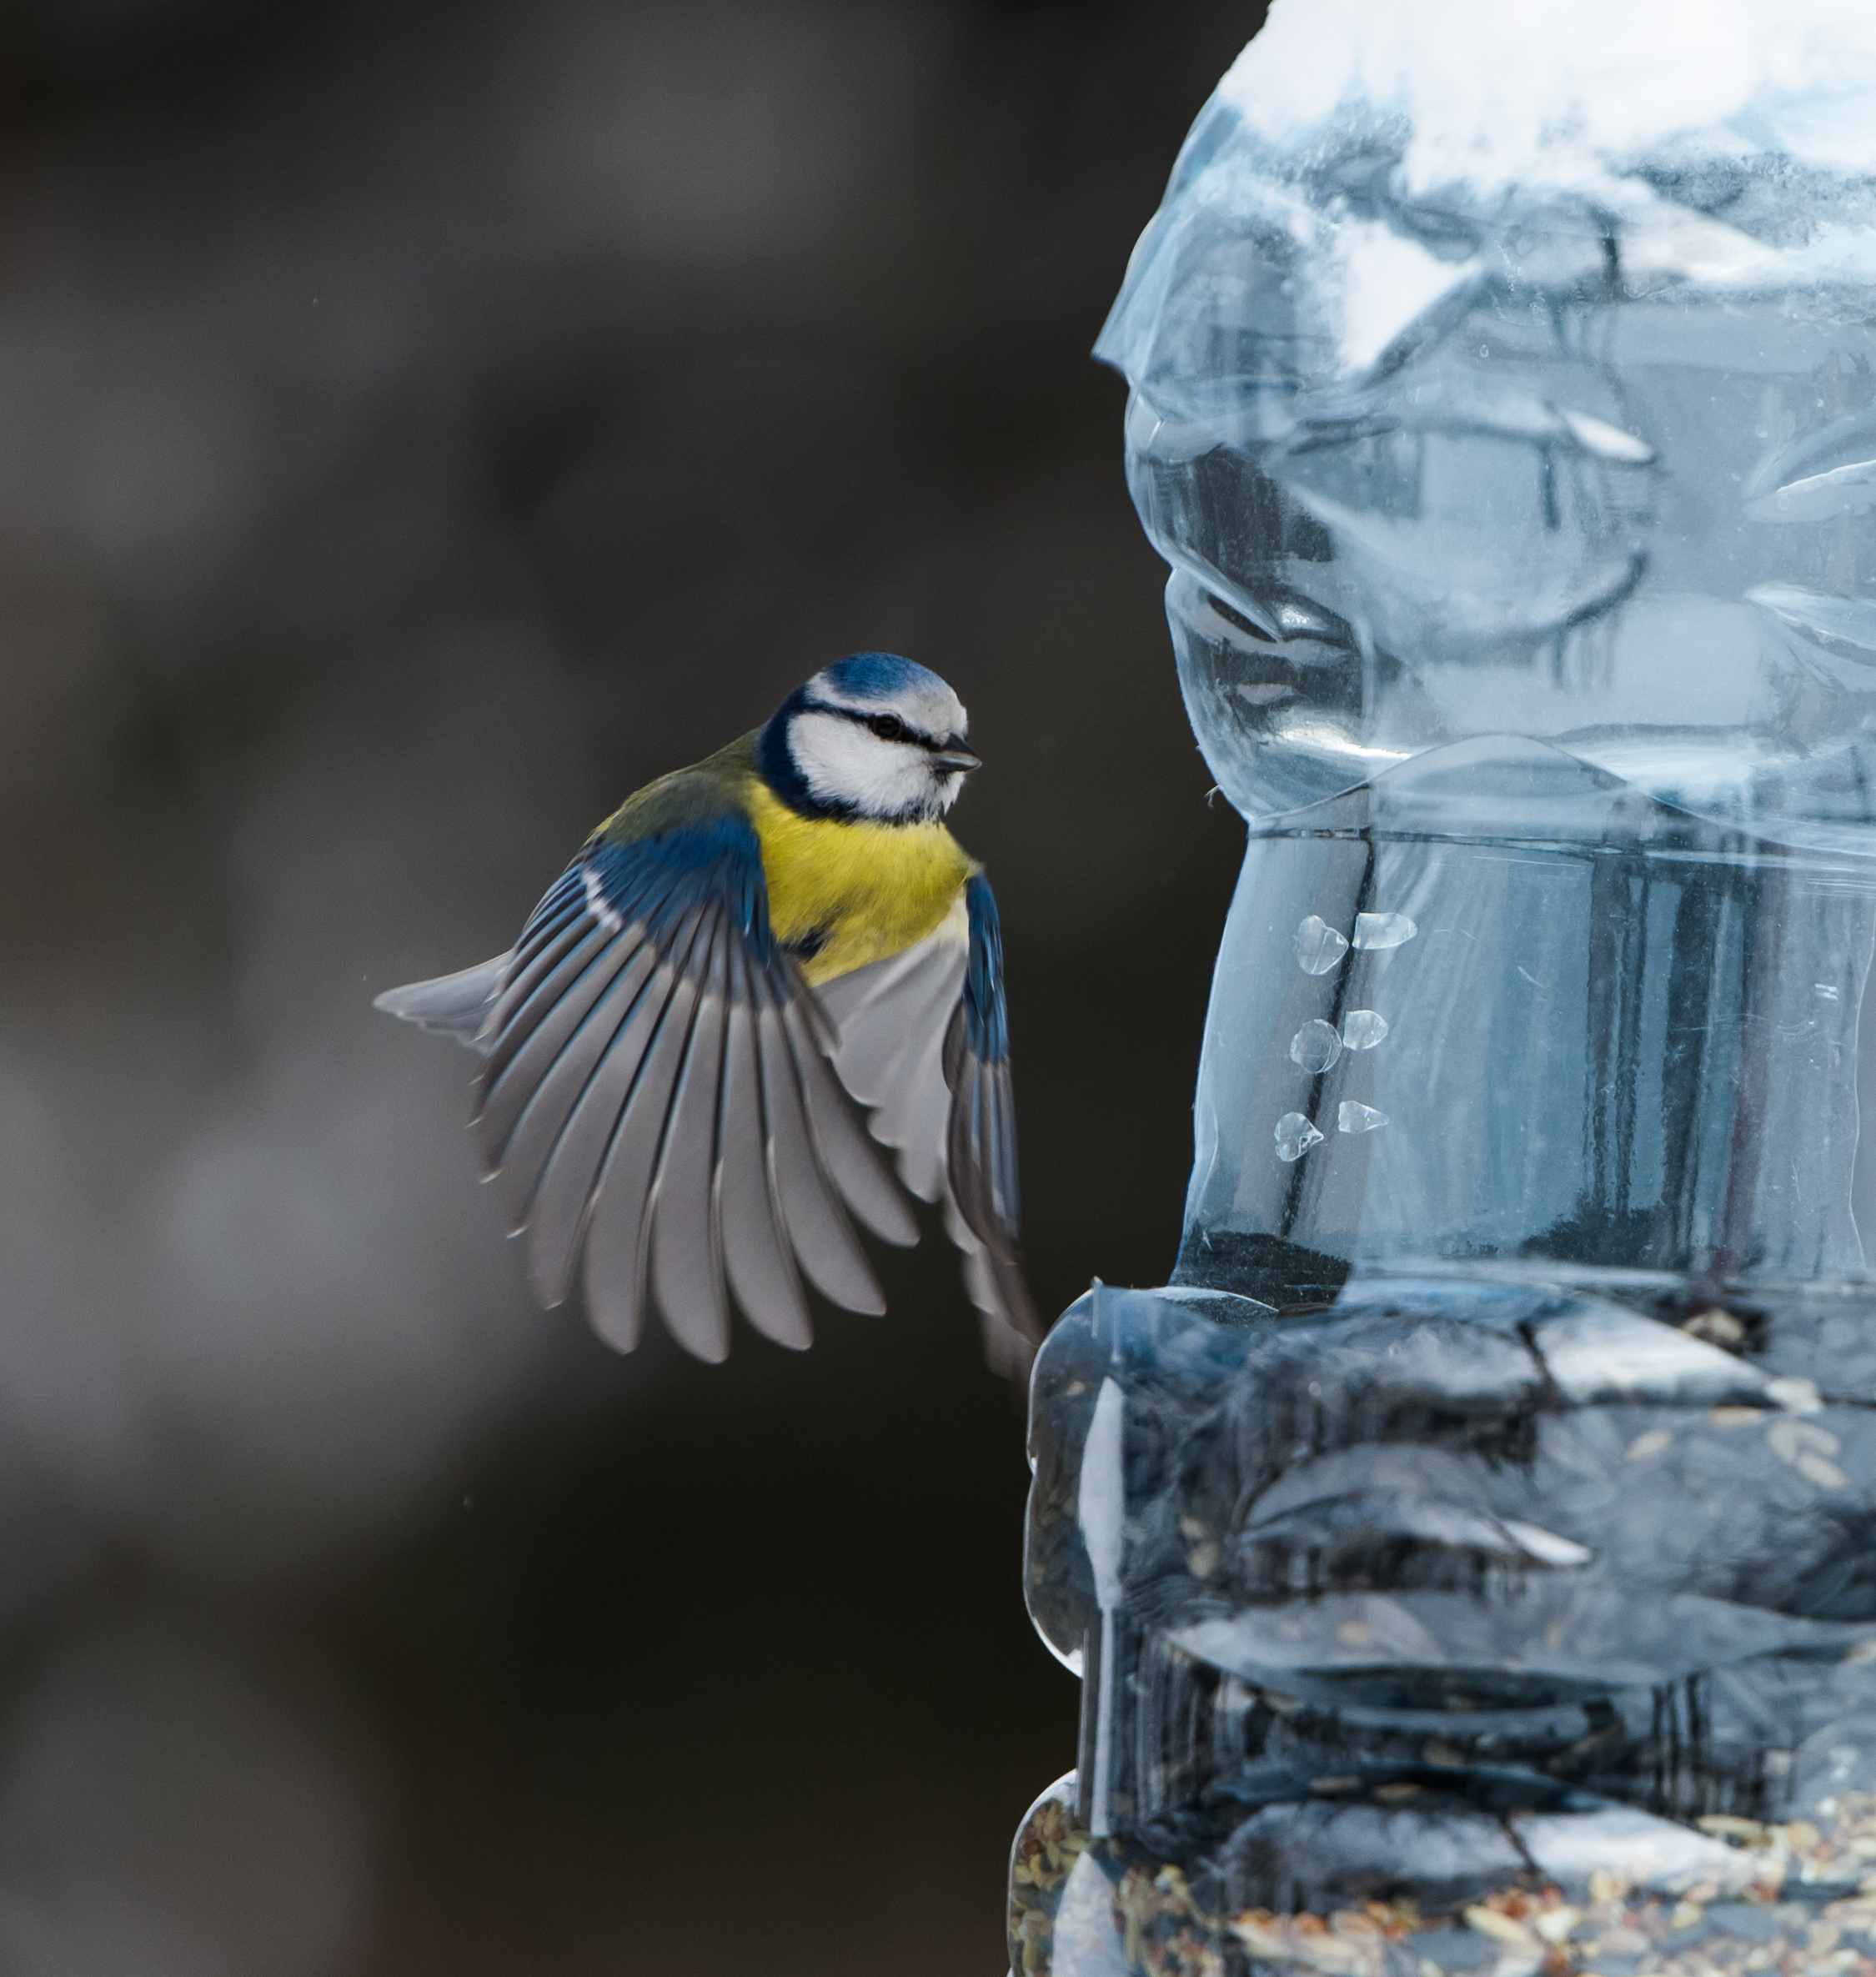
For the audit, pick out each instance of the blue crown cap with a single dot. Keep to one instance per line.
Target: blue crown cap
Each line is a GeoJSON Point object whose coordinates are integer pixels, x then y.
{"type": "Point", "coordinates": [875, 675]}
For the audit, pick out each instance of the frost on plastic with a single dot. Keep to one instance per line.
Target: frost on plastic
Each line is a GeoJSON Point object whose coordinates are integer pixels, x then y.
{"type": "Point", "coordinates": [1475, 1572]}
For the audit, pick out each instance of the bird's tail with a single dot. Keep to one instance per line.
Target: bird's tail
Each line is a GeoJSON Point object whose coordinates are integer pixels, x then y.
{"type": "Point", "coordinates": [459, 1005]}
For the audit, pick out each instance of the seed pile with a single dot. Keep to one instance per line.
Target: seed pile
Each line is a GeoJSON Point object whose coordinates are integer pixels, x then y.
{"type": "Point", "coordinates": [1743, 1924]}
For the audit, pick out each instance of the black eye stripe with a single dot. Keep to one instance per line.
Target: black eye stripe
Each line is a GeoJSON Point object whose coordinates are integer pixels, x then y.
{"type": "Point", "coordinates": [873, 721]}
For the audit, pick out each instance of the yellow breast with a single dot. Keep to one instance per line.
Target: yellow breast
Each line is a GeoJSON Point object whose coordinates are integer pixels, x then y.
{"type": "Point", "coordinates": [846, 894]}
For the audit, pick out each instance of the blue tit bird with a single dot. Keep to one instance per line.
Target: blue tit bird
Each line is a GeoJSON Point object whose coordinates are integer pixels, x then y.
{"type": "Point", "coordinates": [757, 974]}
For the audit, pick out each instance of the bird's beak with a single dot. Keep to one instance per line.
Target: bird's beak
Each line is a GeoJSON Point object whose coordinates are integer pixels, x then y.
{"type": "Point", "coordinates": [955, 755]}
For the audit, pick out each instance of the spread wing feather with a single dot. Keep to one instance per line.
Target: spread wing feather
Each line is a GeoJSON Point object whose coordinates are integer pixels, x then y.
{"type": "Point", "coordinates": [890, 1018]}
{"type": "Point", "coordinates": [667, 1111]}
{"type": "Point", "coordinates": [528, 1107]}
{"type": "Point", "coordinates": [456, 1005]}
{"type": "Point", "coordinates": [756, 1256]}
{"type": "Point", "coordinates": [686, 1249]}
{"type": "Point", "coordinates": [923, 1038]}
{"type": "Point", "coordinates": [830, 1251]}
{"type": "Point", "coordinates": [609, 1145]}
{"type": "Point", "coordinates": [851, 1157]}
{"type": "Point", "coordinates": [655, 1104]}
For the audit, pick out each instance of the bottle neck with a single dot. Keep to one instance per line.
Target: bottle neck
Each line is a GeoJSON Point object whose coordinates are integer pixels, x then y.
{"type": "Point", "coordinates": [1613, 1052]}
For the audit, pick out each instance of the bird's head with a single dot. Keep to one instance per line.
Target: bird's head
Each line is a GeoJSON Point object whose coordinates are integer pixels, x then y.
{"type": "Point", "coordinates": [872, 737]}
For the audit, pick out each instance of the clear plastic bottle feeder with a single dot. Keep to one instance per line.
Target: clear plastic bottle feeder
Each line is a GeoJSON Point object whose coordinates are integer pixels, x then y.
{"type": "Point", "coordinates": [1470, 1558]}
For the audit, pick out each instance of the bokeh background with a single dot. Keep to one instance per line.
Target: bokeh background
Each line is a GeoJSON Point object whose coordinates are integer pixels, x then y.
{"type": "Point", "coordinates": [419, 424]}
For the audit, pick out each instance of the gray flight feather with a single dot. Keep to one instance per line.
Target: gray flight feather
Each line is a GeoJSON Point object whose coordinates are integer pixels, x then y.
{"type": "Point", "coordinates": [890, 1018]}
{"type": "Point", "coordinates": [851, 1158]}
{"type": "Point", "coordinates": [686, 1253]}
{"type": "Point", "coordinates": [521, 1128]}
{"type": "Point", "coordinates": [457, 1006]}
{"type": "Point", "coordinates": [898, 1049]}
{"type": "Point", "coordinates": [759, 1262]}
{"type": "Point", "coordinates": [823, 1239]}
{"type": "Point", "coordinates": [526, 1109]}
{"type": "Point", "coordinates": [607, 1170]}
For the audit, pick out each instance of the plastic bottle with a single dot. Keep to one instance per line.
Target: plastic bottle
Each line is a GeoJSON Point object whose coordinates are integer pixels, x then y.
{"type": "Point", "coordinates": [1471, 1558]}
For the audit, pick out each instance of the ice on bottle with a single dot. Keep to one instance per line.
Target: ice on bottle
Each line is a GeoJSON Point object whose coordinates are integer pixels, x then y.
{"type": "Point", "coordinates": [1478, 1569]}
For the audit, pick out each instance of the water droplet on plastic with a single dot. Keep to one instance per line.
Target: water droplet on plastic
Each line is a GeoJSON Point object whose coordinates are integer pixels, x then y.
{"type": "Point", "coordinates": [1383, 930]}
{"type": "Point", "coordinates": [1606, 441]}
{"type": "Point", "coordinates": [1316, 1046]}
{"type": "Point", "coordinates": [1295, 1136]}
{"type": "Point", "coordinates": [1351, 1117]}
{"type": "Point", "coordinates": [1319, 947]}
{"type": "Point", "coordinates": [1823, 1472]}
{"type": "Point", "coordinates": [1362, 1029]}
{"type": "Point", "coordinates": [1788, 1439]}
{"type": "Point", "coordinates": [1799, 1395]}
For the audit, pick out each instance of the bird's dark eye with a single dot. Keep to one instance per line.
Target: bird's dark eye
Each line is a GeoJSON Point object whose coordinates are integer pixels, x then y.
{"type": "Point", "coordinates": [889, 727]}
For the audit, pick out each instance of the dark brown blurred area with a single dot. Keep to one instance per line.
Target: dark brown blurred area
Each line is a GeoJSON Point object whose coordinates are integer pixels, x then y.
{"type": "Point", "coordinates": [420, 425]}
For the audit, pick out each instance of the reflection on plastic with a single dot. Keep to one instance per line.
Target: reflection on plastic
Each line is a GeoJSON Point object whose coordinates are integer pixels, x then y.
{"type": "Point", "coordinates": [1496, 1588]}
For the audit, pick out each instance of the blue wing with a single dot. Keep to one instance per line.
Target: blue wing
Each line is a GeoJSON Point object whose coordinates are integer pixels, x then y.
{"type": "Point", "coordinates": [655, 1103]}
{"type": "Point", "coordinates": [980, 1135]}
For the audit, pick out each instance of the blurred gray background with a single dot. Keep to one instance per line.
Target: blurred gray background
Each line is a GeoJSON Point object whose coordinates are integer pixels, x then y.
{"type": "Point", "coordinates": [420, 425]}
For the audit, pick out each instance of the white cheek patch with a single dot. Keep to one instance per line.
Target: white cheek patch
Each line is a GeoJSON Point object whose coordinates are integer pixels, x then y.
{"type": "Point", "coordinates": [844, 763]}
